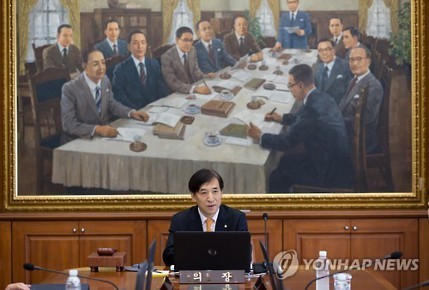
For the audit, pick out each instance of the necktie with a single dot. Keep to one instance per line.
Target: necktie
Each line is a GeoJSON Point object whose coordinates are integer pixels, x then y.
{"type": "Point", "coordinates": [209, 223]}
{"type": "Point", "coordinates": [324, 78]}
{"type": "Point", "coordinates": [142, 74]}
{"type": "Point", "coordinates": [64, 56]}
{"type": "Point", "coordinates": [336, 40]}
{"type": "Point", "coordinates": [211, 54]}
{"type": "Point", "coordinates": [242, 51]}
{"type": "Point", "coordinates": [98, 98]}
{"type": "Point", "coordinates": [352, 84]}
{"type": "Point", "coordinates": [115, 49]}
{"type": "Point", "coordinates": [187, 68]}
{"type": "Point", "coordinates": [292, 19]}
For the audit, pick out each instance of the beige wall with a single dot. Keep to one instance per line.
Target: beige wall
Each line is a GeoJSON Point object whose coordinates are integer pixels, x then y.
{"type": "Point", "coordinates": [226, 5]}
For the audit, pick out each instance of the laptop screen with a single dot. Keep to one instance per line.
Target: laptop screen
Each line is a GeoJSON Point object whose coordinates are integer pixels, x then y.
{"type": "Point", "coordinates": [212, 251]}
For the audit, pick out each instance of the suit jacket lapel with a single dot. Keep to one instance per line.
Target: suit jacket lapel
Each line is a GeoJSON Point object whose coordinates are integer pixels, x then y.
{"type": "Point", "coordinates": [333, 75]}
{"type": "Point", "coordinates": [222, 221]}
{"type": "Point", "coordinates": [87, 94]}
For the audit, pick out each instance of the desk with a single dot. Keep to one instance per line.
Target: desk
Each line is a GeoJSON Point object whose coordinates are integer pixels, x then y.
{"type": "Point", "coordinates": [361, 280]}
{"type": "Point", "coordinates": [167, 165]}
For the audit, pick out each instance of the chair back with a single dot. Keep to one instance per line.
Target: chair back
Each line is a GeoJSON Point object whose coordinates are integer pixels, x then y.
{"type": "Point", "coordinates": [38, 55]}
{"type": "Point", "coordinates": [111, 64]}
{"type": "Point", "coordinates": [383, 120]}
{"type": "Point", "coordinates": [158, 52]}
{"type": "Point", "coordinates": [359, 148]}
{"type": "Point", "coordinates": [45, 96]}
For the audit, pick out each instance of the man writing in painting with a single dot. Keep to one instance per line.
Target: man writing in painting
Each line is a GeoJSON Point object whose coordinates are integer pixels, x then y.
{"type": "Point", "coordinates": [87, 103]}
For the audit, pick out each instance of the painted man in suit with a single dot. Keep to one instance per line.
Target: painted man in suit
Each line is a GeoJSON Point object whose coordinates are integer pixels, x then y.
{"type": "Point", "coordinates": [63, 54]}
{"type": "Point", "coordinates": [112, 45]}
{"type": "Point", "coordinates": [209, 214]}
{"type": "Point", "coordinates": [288, 20]}
{"type": "Point", "coordinates": [351, 36]}
{"type": "Point", "coordinates": [332, 73]}
{"type": "Point", "coordinates": [180, 65]}
{"type": "Point", "coordinates": [138, 81]}
{"type": "Point", "coordinates": [87, 103]}
{"type": "Point", "coordinates": [320, 127]}
{"type": "Point", "coordinates": [336, 29]}
{"type": "Point", "coordinates": [211, 53]}
{"type": "Point", "coordinates": [359, 61]}
{"type": "Point", "coordinates": [240, 42]}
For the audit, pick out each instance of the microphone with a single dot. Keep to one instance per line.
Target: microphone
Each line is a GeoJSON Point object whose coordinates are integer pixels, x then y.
{"type": "Point", "coordinates": [262, 267]}
{"type": "Point", "coordinates": [425, 283]}
{"type": "Point", "coordinates": [394, 255]}
{"type": "Point", "coordinates": [32, 267]}
{"type": "Point", "coordinates": [265, 217]}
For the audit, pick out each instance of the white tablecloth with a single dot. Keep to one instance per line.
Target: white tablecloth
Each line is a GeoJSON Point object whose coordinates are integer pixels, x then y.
{"type": "Point", "coordinates": [167, 165]}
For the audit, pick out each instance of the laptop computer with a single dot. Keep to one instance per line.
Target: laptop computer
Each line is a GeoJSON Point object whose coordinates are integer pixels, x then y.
{"type": "Point", "coordinates": [212, 251]}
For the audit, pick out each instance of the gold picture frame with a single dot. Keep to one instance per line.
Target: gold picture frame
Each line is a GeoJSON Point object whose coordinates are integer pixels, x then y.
{"type": "Point", "coordinates": [12, 201]}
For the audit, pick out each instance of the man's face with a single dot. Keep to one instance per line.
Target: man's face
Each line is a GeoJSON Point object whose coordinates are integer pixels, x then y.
{"type": "Point", "coordinates": [208, 198]}
{"type": "Point", "coordinates": [240, 26]}
{"type": "Point", "coordinates": [335, 26]}
{"type": "Point", "coordinates": [138, 45]}
{"type": "Point", "coordinates": [326, 51]}
{"type": "Point", "coordinates": [349, 40]}
{"type": "Point", "coordinates": [95, 68]}
{"type": "Point", "coordinates": [205, 31]}
{"type": "Point", "coordinates": [65, 36]}
{"type": "Point", "coordinates": [296, 88]}
{"type": "Point", "coordinates": [112, 31]}
{"type": "Point", "coordinates": [358, 61]}
{"type": "Point", "coordinates": [292, 5]}
{"type": "Point", "coordinates": [185, 42]}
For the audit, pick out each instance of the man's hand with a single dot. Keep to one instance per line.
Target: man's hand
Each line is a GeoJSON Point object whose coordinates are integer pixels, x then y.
{"type": "Point", "coordinates": [273, 117]}
{"type": "Point", "coordinates": [210, 75]}
{"type": "Point", "coordinates": [300, 32]}
{"type": "Point", "coordinates": [106, 131]}
{"type": "Point", "coordinates": [256, 57]}
{"type": "Point", "coordinates": [277, 47]}
{"type": "Point", "coordinates": [140, 116]}
{"type": "Point", "coordinates": [254, 132]}
{"type": "Point", "coordinates": [203, 90]}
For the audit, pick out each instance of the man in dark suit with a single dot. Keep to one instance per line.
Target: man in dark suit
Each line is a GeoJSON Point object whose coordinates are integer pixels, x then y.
{"type": "Point", "coordinates": [336, 29]}
{"type": "Point", "coordinates": [206, 187]}
{"type": "Point", "coordinates": [240, 42]}
{"type": "Point", "coordinates": [112, 45]}
{"type": "Point", "coordinates": [138, 81]}
{"type": "Point", "coordinates": [211, 53]}
{"type": "Point", "coordinates": [332, 73]}
{"type": "Point", "coordinates": [360, 59]}
{"type": "Point", "coordinates": [180, 65]}
{"type": "Point", "coordinates": [289, 20]}
{"type": "Point", "coordinates": [63, 54]}
{"type": "Point", "coordinates": [320, 127]}
{"type": "Point", "coordinates": [351, 36]}
{"type": "Point", "coordinates": [87, 104]}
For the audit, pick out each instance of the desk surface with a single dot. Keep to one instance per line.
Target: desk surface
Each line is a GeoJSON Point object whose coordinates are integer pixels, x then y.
{"type": "Point", "coordinates": [361, 280]}
{"type": "Point", "coordinates": [166, 165]}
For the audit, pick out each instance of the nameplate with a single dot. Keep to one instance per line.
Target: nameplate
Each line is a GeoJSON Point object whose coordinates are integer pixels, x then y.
{"type": "Point", "coordinates": [213, 287]}
{"type": "Point", "coordinates": [212, 277]}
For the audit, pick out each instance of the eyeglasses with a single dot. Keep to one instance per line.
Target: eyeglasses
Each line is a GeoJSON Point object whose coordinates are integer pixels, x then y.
{"type": "Point", "coordinates": [357, 59]}
{"type": "Point", "coordinates": [289, 85]}
{"type": "Point", "coordinates": [189, 40]}
{"type": "Point", "coordinates": [328, 49]}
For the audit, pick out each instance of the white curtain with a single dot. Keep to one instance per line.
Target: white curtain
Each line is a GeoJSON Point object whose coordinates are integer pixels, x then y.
{"type": "Point", "coordinates": [379, 24]}
{"type": "Point", "coordinates": [182, 16]}
{"type": "Point", "coordinates": [266, 19]}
